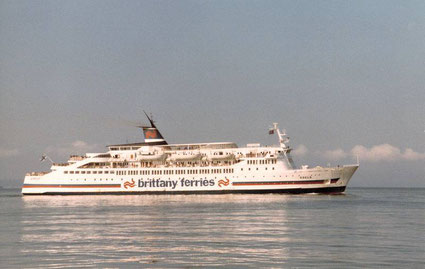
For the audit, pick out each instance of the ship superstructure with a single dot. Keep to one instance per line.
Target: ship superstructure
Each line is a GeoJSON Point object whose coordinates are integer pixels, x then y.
{"type": "Point", "coordinates": [156, 167]}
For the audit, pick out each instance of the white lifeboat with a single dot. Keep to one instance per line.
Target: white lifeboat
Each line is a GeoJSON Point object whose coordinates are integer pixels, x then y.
{"type": "Point", "coordinates": [155, 156]}
{"type": "Point", "coordinates": [185, 157]}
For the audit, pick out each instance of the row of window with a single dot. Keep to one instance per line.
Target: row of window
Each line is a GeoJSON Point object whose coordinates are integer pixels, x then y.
{"type": "Point", "coordinates": [292, 176]}
{"type": "Point", "coordinates": [261, 161]}
{"type": "Point", "coordinates": [123, 148]}
{"type": "Point", "coordinates": [89, 172]}
{"type": "Point", "coordinates": [100, 179]}
{"type": "Point", "coordinates": [166, 172]}
{"type": "Point", "coordinates": [249, 169]}
{"type": "Point", "coordinates": [176, 172]}
{"type": "Point", "coordinates": [163, 172]}
{"type": "Point", "coordinates": [95, 165]}
{"type": "Point", "coordinates": [177, 163]}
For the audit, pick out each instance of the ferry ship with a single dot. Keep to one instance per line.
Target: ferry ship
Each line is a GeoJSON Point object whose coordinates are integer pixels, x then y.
{"type": "Point", "coordinates": [156, 167]}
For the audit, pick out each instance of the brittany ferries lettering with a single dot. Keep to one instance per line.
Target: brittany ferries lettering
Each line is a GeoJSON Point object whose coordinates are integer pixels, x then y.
{"type": "Point", "coordinates": [156, 167]}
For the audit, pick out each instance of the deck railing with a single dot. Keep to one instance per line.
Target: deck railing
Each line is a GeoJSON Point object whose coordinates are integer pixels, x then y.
{"type": "Point", "coordinates": [35, 174]}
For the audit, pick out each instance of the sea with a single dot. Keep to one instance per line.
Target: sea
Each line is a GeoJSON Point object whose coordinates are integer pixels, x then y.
{"type": "Point", "coordinates": [363, 228]}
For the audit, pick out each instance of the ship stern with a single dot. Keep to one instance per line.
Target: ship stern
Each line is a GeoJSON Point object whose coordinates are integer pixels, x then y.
{"type": "Point", "coordinates": [31, 181]}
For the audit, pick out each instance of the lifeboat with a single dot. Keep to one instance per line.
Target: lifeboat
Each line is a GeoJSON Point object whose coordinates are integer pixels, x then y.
{"type": "Point", "coordinates": [151, 157]}
{"type": "Point", "coordinates": [185, 157]}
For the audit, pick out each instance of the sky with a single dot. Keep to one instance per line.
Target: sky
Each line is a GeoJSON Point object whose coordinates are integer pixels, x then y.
{"type": "Point", "coordinates": [344, 78]}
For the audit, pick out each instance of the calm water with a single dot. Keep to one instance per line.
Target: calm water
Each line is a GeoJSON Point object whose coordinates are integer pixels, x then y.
{"type": "Point", "coordinates": [363, 228]}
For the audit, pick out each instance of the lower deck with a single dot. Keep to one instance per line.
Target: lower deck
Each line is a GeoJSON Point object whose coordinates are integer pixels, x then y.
{"type": "Point", "coordinates": [230, 180]}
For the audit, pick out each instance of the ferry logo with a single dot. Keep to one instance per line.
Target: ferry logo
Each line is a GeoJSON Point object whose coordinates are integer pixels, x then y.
{"type": "Point", "coordinates": [151, 134]}
{"type": "Point", "coordinates": [129, 184]}
{"type": "Point", "coordinates": [223, 182]}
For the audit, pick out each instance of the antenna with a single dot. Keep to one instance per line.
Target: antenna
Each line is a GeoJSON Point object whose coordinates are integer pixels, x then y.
{"type": "Point", "coordinates": [150, 119]}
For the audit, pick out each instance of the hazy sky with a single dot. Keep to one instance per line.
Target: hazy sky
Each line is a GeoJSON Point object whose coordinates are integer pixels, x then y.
{"type": "Point", "coordinates": [344, 78]}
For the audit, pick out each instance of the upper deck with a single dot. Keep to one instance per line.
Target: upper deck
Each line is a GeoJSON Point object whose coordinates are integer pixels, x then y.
{"type": "Point", "coordinates": [192, 146]}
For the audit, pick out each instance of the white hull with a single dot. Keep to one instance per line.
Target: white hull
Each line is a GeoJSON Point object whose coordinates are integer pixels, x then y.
{"type": "Point", "coordinates": [294, 181]}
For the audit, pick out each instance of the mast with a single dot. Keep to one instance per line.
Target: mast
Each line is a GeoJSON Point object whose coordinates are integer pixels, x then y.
{"type": "Point", "coordinates": [283, 142]}
{"type": "Point", "coordinates": [150, 119]}
{"type": "Point", "coordinates": [283, 138]}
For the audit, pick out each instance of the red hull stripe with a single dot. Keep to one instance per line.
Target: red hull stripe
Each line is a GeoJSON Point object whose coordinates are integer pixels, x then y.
{"type": "Point", "coordinates": [334, 180]}
{"type": "Point", "coordinates": [71, 186]}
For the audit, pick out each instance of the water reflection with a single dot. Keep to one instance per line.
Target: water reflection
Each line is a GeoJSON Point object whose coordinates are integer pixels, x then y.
{"type": "Point", "coordinates": [365, 228]}
{"type": "Point", "coordinates": [142, 200]}
{"type": "Point", "coordinates": [161, 231]}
